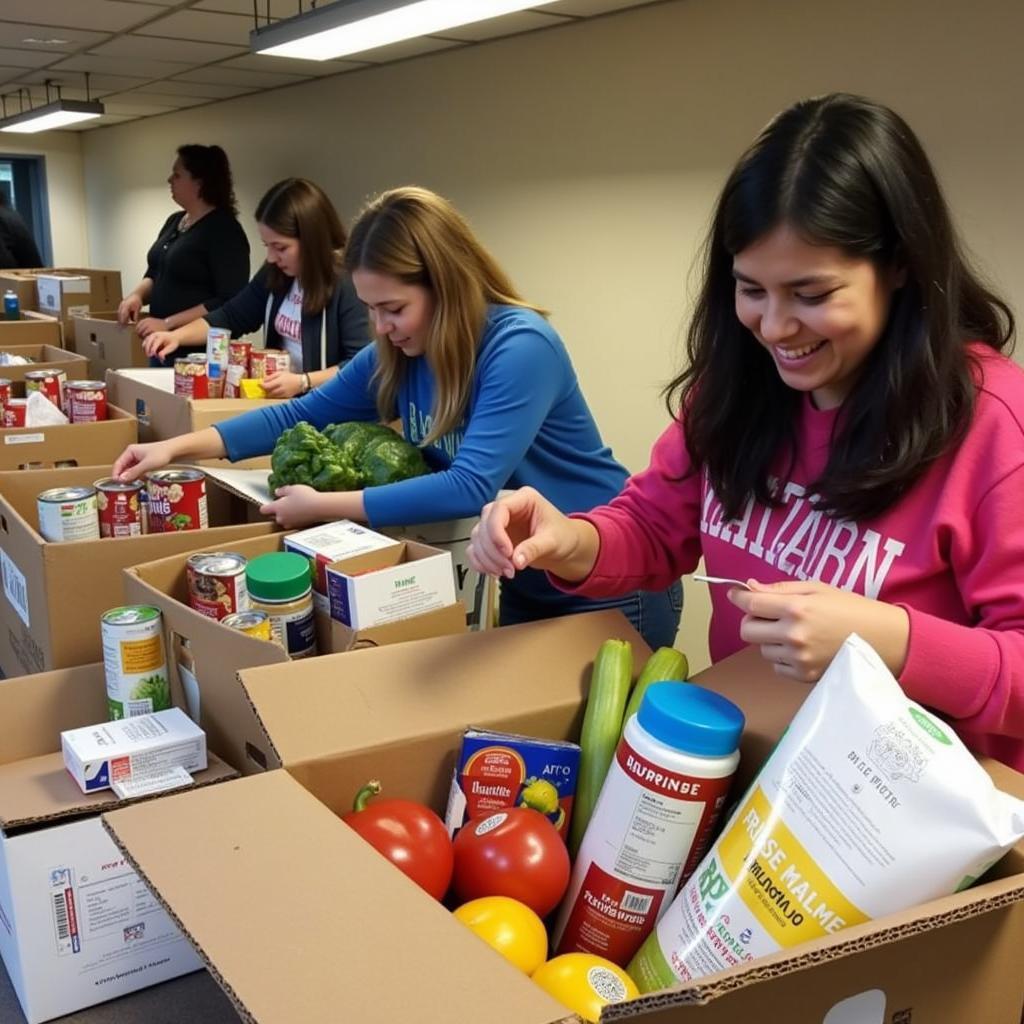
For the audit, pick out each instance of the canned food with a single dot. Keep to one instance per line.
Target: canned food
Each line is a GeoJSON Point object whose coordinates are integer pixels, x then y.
{"type": "Point", "coordinates": [190, 376]}
{"type": "Point", "coordinates": [68, 513]}
{"type": "Point", "coordinates": [177, 500]}
{"type": "Point", "coordinates": [85, 401]}
{"type": "Point", "coordinates": [217, 339]}
{"type": "Point", "coordinates": [266, 361]}
{"type": "Point", "coordinates": [134, 661]}
{"type": "Point", "coordinates": [14, 412]}
{"type": "Point", "coordinates": [216, 583]}
{"type": "Point", "coordinates": [49, 382]}
{"type": "Point", "coordinates": [120, 508]}
{"type": "Point", "coordinates": [240, 354]}
{"type": "Point", "coordinates": [5, 391]}
{"type": "Point", "coordinates": [252, 623]}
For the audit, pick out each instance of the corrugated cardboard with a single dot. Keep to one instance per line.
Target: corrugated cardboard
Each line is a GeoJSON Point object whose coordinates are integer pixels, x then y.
{"type": "Point", "coordinates": [44, 357]}
{"type": "Point", "coordinates": [397, 713]}
{"type": "Point", "coordinates": [31, 329]}
{"type": "Point", "coordinates": [77, 444]}
{"type": "Point", "coordinates": [104, 291]}
{"type": "Point", "coordinates": [106, 344]}
{"type": "Point", "coordinates": [44, 621]}
{"type": "Point", "coordinates": [125, 939]}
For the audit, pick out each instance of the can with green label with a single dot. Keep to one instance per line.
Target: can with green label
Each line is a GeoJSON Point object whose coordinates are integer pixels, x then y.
{"type": "Point", "coordinates": [135, 661]}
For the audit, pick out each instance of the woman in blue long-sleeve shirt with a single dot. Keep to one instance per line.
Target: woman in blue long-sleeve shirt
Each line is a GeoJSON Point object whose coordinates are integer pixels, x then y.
{"type": "Point", "coordinates": [481, 382]}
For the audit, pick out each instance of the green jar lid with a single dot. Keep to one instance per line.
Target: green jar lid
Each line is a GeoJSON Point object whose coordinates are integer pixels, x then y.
{"type": "Point", "coordinates": [280, 576]}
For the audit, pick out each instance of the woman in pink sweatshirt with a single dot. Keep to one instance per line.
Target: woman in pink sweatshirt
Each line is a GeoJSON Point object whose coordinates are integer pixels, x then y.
{"type": "Point", "coordinates": [846, 437]}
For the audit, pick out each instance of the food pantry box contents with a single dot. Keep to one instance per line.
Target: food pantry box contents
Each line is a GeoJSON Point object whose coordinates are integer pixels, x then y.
{"type": "Point", "coordinates": [495, 770]}
{"type": "Point", "coordinates": [49, 383]}
{"type": "Point", "coordinates": [216, 583]}
{"type": "Point", "coordinates": [388, 584]}
{"type": "Point", "coordinates": [176, 500]}
{"type": "Point", "coordinates": [100, 756]}
{"type": "Point", "coordinates": [68, 513]}
{"type": "Point", "coordinates": [85, 401]}
{"type": "Point", "coordinates": [333, 542]}
{"type": "Point", "coordinates": [868, 805]}
{"type": "Point", "coordinates": [120, 505]}
{"type": "Point", "coordinates": [655, 816]}
{"type": "Point", "coordinates": [252, 623]}
{"type": "Point", "coordinates": [63, 295]}
{"type": "Point", "coordinates": [266, 361]}
{"type": "Point", "coordinates": [46, 445]}
{"type": "Point", "coordinates": [135, 661]}
{"type": "Point", "coordinates": [15, 412]}
{"type": "Point", "coordinates": [279, 584]}
{"type": "Point", "coordinates": [216, 360]}
{"type": "Point", "coordinates": [191, 378]}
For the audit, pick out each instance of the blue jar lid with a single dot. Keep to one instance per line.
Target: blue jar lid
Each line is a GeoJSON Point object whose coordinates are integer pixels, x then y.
{"type": "Point", "coordinates": [691, 719]}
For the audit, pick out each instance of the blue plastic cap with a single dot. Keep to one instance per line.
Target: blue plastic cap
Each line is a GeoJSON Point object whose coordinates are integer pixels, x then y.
{"type": "Point", "coordinates": [691, 719]}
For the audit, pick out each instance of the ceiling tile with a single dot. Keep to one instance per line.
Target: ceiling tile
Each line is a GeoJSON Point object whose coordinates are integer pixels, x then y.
{"type": "Point", "coordinates": [588, 8]}
{"type": "Point", "coordinates": [204, 26]}
{"type": "Point", "coordinates": [406, 48]}
{"type": "Point", "coordinates": [136, 67]}
{"type": "Point", "coordinates": [108, 15]}
{"type": "Point", "coordinates": [222, 75]}
{"type": "Point", "coordinates": [203, 91]}
{"type": "Point", "coordinates": [241, 7]}
{"type": "Point", "coordinates": [17, 34]}
{"type": "Point", "coordinates": [127, 105]}
{"type": "Point", "coordinates": [507, 25]}
{"type": "Point", "coordinates": [26, 59]}
{"type": "Point", "coordinates": [158, 99]}
{"type": "Point", "coordinates": [75, 80]}
{"type": "Point", "coordinates": [312, 68]}
{"type": "Point", "coordinates": [151, 47]}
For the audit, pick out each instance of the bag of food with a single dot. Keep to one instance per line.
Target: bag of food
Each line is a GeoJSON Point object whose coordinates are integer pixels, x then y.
{"type": "Point", "coordinates": [868, 805]}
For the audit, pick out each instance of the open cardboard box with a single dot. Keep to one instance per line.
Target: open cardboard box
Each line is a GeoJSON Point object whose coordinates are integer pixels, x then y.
{"type": "Point", "coordinates": [103, 292]}
{"type": "Point", "coordinates": [55, 592]}
{"type": "Point", "coordinates": [45, 357]}
{"type": "Point", "coordinates": [77, 925]}
{"type": "Point", "coordinates": [149, 395]}
{"type": "Point", "coordinates": [30, 329]}
{"type": "Point", "coordinates": [338, 934]}
{"type": "Point", "coordinates": [74, 444]}
{"type": "Point", "coordinates": [107, 344]}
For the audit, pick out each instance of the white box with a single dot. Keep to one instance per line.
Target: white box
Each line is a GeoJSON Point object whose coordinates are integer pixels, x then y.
{"type": "Point", "coordinates": [390, 584]}
{"type": "Point", "coordinates": [133, 748]}
{"type": "Point", "coordinates": [53, 289]}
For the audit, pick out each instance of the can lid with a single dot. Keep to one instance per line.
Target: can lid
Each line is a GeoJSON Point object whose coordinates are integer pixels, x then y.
{"type": "Point", "coordinates": [691, 718]}
{"type": "Point", "coordinates": [131, 614]}
{"type": "Point", "coordinates": [278, 576]}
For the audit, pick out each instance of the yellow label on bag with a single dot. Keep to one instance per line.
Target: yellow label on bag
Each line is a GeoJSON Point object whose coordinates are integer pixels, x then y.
{"type": "Point", "coordinates": [252, 388]}
{"type": "Point", "coordinates": [778, 880]}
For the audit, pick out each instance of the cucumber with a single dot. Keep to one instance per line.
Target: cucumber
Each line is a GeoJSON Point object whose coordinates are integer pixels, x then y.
{"type": "Point", "coordinates": [602, 723]}
{"type": "Point", "coordinates": [664, 663]}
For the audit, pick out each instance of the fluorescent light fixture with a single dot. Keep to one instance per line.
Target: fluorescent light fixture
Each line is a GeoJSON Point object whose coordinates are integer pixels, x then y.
{"type": "Point", "coordinates": [53, 115]}
{"type": "Point", "coordinates": [351, 26]}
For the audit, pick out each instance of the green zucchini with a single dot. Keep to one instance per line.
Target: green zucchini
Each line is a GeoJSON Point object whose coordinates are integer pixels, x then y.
{"type": "Point", "coordinates": [664, 663]}
{"type": "Point", "coordinates": [602, 723]}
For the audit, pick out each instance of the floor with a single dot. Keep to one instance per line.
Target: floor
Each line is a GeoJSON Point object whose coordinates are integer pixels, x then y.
{"type": "Point", "coordinates": [193, 999]}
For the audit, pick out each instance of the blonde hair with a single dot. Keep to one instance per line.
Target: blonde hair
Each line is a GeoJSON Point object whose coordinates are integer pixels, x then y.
{"type": "Point", "coordinates": [418, 237]}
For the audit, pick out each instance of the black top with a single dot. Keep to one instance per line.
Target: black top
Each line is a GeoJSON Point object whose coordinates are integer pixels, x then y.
{"type": "Point", "coordinates": [204, 265]}
{"type": "Point", "coordinates": [17, 246]}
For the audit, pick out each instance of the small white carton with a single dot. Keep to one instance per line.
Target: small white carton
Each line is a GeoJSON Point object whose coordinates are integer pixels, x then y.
{"type": "Point", "coordinates": [390, 584]}
{"type": "Point", "coordinates": [54, 289]}
{"type": "Point", "coordinates": [100, 756]}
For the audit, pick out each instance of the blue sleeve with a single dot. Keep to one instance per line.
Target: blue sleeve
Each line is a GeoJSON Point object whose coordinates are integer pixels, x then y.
{"type": "Point", "coordinates": [245, 312]}
{"type": "Point", "coordinates": [347, 396]}
{"type": "Point", "coordinates": [516, 388]}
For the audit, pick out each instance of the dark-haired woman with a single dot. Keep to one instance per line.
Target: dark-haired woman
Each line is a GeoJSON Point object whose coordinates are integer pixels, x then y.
{"type": "Point", "coordinates": [302, 297]}
{"type": "Point", "coordinates": [201, 256]}
{"type": "Point", "coordinates": [847, 433]}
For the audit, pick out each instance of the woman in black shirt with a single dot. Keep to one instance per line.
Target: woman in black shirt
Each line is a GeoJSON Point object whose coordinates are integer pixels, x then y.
{"type": "Point", "coordinates": [201, 256]}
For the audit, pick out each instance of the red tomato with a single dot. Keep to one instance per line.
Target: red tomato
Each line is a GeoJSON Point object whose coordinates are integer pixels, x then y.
{"type": "Point", "coordinates": [516, 852]}
{"type": "Point", "coordinates": [410, 835]}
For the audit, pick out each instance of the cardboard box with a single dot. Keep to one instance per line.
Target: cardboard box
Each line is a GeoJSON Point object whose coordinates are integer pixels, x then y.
{"type": "Point", "coordinates": [149, 395]}
{"type": "Point", "coordinates": [397, 713]}
{"type": "Point", "coordinates": [77, 925]}
{"type": "Point", "coordinates": [63, 295]}
{"type": "Point", "coordinates": [104, 285]}
{"type": "Point", "coordinates": [31, 329]}
{"type": "Point", "coordinates": [43, 622]}
{"type": "Point", "coordinates": [106, 344]}
{"type": "Point", "coordinates": [74, 444]}
{"type": "Point", "coordinates": [44, 357]}
{"type": "Point", "coordinates": [390, 584]}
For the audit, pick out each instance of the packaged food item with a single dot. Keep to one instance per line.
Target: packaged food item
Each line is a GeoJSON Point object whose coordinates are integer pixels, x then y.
{"type": "Point", "coordinates": [85, 401]}
{"type": "Point", "coordinates": [251, 388]}
{"type": "Point", "coordinates": [216, 583]}
{"type": "Point", "coordinates": [5, 392]}
{"type": "Point", "coordinates": [217, 340]}
{"type": "Point", "coordinates": [135, 661]}
{"type": "Point", "coordinates": [120, 507]}
{"type": "Point", "coordinates": [495, 770]}
{"type": "Point", "coordinates": [47, 382]}
{"type": "Point", "coordinates": [653, 820]}
{"type": "Point", "coordinates": [190, 376]}
{"type": "Point", "coordinates": [176, 500]}
{"type": "Point", "coordinates": [240, 354]}
{"type": "Point", "coordinates": [279, 584]}
{"type": "Point", "coordinates": [265, 361]}
{"type": "Point", "coordinates": [868, 805]}
{"type": "Point", "coordinates": [14, 412]}
{"type": "Point", "coordinates": [233, 378]}
{"type": "Point", "coordinates": [252, 623]}
{"type": "Point", "coordinates": [12, 305]}
{"type": "Point", "coordinates": [68, 513]}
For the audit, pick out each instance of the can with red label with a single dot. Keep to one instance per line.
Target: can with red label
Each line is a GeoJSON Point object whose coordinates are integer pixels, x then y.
{"type": "Point", "coordinates": [120, 507]}
{"type": "Point", "coordinates": [5, 392]}
{"type": "Point", "coordinates": [48, 382]}
{"type": "Point", "coordinates": [85, 401]}
{"type": "Point", "coordinates": [68, 513]}
{"type": "Point", "coordinates": [14, 412]}
{"type": "Point", "coordinates": [216, 583]}
{"type": "Point", "coordinates": [177, 500]}
{"type": "Point", "coordinates": [240, 354]}
{"type": "Point", "coordinates": [266, 361]}
{"type": "Point", "coordinates": [190, 376]}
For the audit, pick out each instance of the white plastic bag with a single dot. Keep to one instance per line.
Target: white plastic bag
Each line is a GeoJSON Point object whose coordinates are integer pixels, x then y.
{"type": "Point", "coordinates": [868, 805]}
{"type": "Point", "coordinates": [41, 412]}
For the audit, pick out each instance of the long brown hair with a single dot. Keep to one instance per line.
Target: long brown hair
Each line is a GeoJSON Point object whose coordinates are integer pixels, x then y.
{"type": "Point", "coordinates": [296, 208]}
{"type": "Point", "coordinates": [418, 237]}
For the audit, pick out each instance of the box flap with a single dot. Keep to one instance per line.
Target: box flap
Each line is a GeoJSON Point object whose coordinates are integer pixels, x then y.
{"type": "Point", "coordinates": [248, 484]}
{"type": "Point", "coordinates": [39, 789]}
{"type": "Point", "coordinates": [300, 920]}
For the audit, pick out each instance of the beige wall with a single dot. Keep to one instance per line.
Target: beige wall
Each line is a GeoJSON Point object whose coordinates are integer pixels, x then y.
{"type": "Point", "coordinates": [65, 188]}
{"type": "Point", "coordinates": [588, 157]}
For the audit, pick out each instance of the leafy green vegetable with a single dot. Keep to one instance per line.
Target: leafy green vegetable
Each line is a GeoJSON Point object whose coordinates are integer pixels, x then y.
{"type": "Point", "coordinates": [388, 461]}
{"type": "Point", "coordinates": [156, 689]}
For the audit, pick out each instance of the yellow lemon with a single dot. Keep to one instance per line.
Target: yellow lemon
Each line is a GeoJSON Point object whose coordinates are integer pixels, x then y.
{"type": "Point", "coordinates": [584, 983]}
{"type": "Point", "coordinates": [508, 926]}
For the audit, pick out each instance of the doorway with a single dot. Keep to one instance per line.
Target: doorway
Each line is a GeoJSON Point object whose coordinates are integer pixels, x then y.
{"type": "Point", "coordinates": [23, 182]}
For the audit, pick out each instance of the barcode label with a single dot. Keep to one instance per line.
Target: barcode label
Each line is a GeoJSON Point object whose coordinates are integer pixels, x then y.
{"type": "Point", "coordinates": [24, 439]}
{"type": "Point", "coordinates": [65, 923]}
{"type": "Point", "coordinates": [14, 587]}
{"type": "Point", "coordinates": [60, 916]}
{"type": "Point", "coordinates": [635, 903]}
{"type": "Point", "coordinates": [133, 708]}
